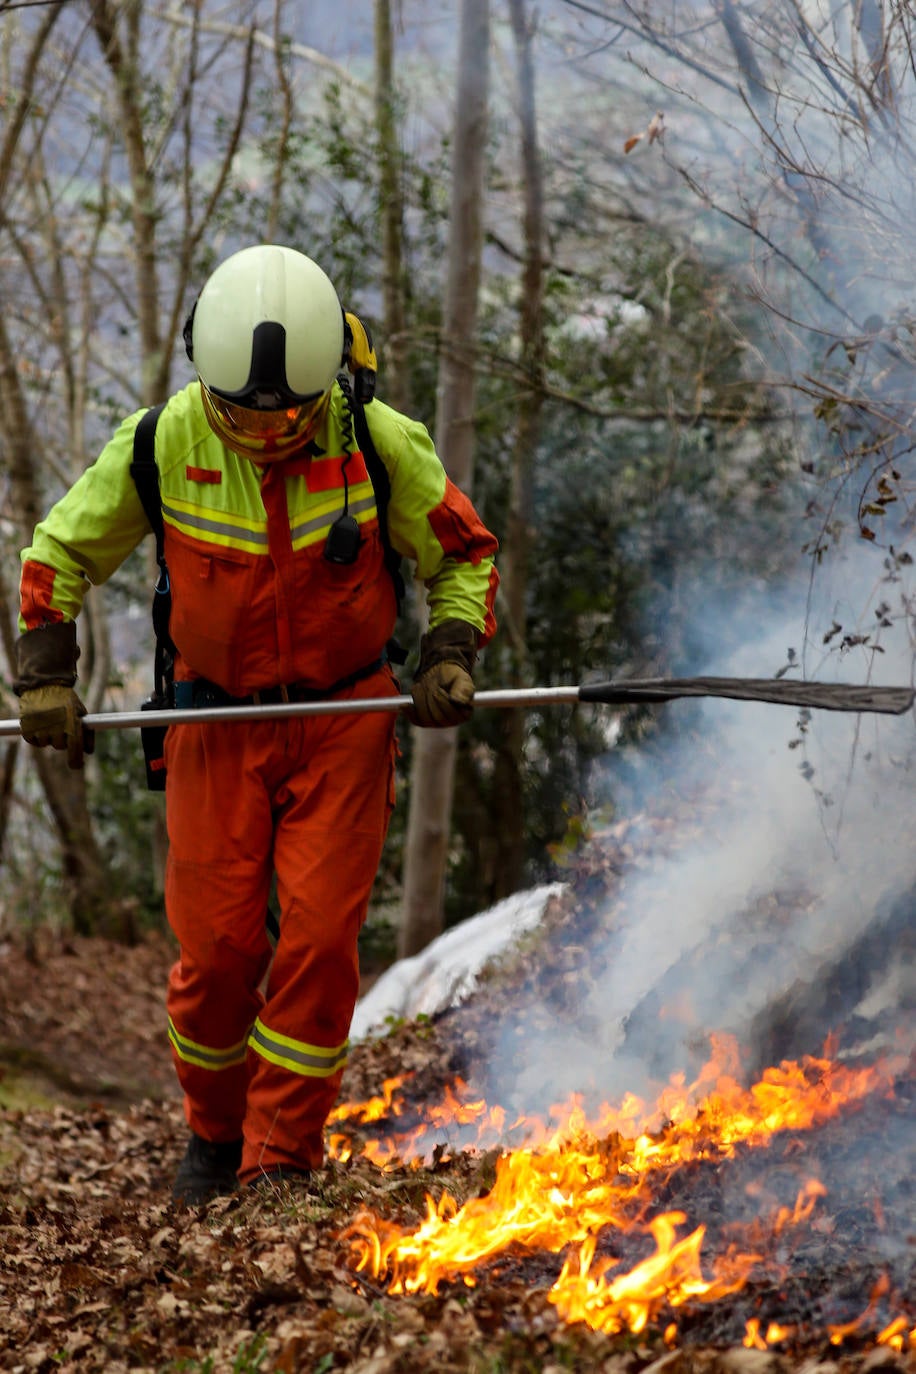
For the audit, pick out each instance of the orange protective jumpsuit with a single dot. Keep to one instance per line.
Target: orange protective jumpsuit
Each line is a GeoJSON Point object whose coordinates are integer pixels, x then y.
{"type": "Point", "coordinates": [255, 605]}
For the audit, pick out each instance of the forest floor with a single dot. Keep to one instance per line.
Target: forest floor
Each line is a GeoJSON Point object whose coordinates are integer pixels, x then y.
{"type": "Point", "coordinates": [99, 1271]}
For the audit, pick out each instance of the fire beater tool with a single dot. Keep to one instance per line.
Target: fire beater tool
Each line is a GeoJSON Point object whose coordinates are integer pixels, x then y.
{"type": "Point", "coordinates": [824, 696]}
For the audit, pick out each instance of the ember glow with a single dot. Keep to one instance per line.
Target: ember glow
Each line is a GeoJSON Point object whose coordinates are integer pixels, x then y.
{"type": "Point", "coordinates": [586, 1188]}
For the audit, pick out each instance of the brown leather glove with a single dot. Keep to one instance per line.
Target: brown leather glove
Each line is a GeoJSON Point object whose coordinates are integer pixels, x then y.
{"type": "Point", "coordinates": [50, 711]}
{"type": "Point", "coordinates": [443, 688]}
{"type": "Point", "coordinates": [52, 715]}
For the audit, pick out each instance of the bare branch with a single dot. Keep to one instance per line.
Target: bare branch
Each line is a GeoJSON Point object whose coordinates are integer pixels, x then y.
{"type": "Point", "coordinates": [182, 19]}
{"type": "Point", "coordinates": [20, 113]}
{"type": "Point", "coordinates": [286, 119]}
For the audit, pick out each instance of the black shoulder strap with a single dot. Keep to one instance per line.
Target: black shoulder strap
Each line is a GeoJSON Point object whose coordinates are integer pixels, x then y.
{"type": "Point", "coordinates": [381, 485]}
{"type": "Point", "coordinates": [145, 474]}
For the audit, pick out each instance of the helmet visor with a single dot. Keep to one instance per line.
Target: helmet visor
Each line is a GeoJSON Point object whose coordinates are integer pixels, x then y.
{"type": "Point", "coordinates": [263, 434]}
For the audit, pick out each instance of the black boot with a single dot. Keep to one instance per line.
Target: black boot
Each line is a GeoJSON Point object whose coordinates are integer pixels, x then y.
{"type": "Point", "coordinates": [208, 1170]}
{"type": "Point", "coordinates": [276, 1174]}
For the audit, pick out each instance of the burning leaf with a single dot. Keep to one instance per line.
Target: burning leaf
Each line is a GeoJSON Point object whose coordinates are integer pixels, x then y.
{"type": "Point", "coordinates": [592, 1178]}
{"type": "Point", "coordinates": [775, 1333]}
{"type": "Point", "coordinates": [839, 1333]}
{"type": "Point", "coordinates": [672, 1275]}
{"type": "Point", "coordinates": [897, 1336]}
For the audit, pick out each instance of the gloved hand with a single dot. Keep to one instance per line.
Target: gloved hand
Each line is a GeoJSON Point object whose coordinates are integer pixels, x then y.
{"type": "Point", "coordinates": [443, 688]}
{"type": "Point", "coordinates": [52, 715]}
{"type": "Point", "coordinates": [50, 711]}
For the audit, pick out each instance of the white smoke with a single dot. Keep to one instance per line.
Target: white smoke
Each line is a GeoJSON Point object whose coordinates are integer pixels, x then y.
{"type": "Point", "coordinates": [800, 838]}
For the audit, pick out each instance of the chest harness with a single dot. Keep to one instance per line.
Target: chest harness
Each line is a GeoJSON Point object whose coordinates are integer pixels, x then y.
{"type": "Point", "coordinates": [341, 547]}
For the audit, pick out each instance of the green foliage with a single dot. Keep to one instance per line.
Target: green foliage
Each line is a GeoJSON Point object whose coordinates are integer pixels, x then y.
{"type": "Point", "coordinates": [577, 833]}
{"type": "Point", "coordinates": [659, 465]}
{"type": "Point", "coordinates": [248, 1359]}
{"type": "Point", "coordinates": [377, 942]}
{"type": "Point", "coordinates": [185, 1365]}
{"type": "Point", "coordinates": [632, 506]}
{"type": "Point", "coordinates": [31, 875]}
{"type": "Point", "coordinates": [251, 1355]}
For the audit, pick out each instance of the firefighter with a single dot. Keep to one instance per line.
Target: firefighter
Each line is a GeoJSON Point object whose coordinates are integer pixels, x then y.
{"type": "Point", "coordinates": [279, 592]}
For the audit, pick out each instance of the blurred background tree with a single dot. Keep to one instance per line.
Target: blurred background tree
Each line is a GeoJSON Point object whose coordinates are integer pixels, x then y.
{"type": "Point", "coordinates": [630, 441]}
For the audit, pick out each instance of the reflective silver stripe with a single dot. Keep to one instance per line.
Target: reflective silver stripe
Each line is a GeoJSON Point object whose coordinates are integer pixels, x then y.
{"type": "Point", "coordinates": [200, 522]}
{"type": "Point", "coordinates": [243, 535]}
{"type": "Point", "coordinates": [311, 1061]}
{"type": "Point", "coordinates": [204, 1056]}
{"type": "Point", "coordinates": [322, 522]}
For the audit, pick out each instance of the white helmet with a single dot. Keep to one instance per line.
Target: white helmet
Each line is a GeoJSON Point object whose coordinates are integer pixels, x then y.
{"type": "Point", "coordinates": [267, 339]}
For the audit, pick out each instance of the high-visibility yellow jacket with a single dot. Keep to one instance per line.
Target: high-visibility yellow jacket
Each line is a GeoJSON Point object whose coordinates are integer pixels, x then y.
{"type": "Point", "coordinates": [254, 601]}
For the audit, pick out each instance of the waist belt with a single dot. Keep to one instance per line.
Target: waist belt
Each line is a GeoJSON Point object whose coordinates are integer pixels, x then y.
{"type": "Point", "coordinates": [199, 693]}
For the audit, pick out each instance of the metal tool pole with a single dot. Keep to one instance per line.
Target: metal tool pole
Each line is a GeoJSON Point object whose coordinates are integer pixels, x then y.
{"type": "Point", "coordinates": [133, 720]}
{"type": "Point", "coordinates": [827, 696]}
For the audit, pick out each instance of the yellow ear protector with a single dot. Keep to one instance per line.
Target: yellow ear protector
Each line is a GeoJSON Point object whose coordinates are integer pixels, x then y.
{"type": "Point", "coordinates": [359, 357]}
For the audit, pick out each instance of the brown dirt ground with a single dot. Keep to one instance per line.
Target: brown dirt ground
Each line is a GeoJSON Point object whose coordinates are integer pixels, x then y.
{"type": "Point", "coordinates": [100, 1272]}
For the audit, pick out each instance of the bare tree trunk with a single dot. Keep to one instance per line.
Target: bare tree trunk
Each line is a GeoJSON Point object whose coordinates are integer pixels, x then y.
{"type": "Point", "coordinates": [508, 795]}
{"type": "Point", "coordinates": [121, 58]}
{"type": "Point", "coordinates": [93, 907]}
{"type": "Point", "coordinates": [88, 887]}
{"type": "Point", "coordinates": [24, 106]}
{"type": "Point", "coordinates": [7, 779]}
{"type": "Point", "coordinates": [24, 178]}
{"type": "Point", "coordinates": [285, 92]}
{"type": "Point", "coordinates": [391, 205]}
{"type": "Point", "coordinates": [432, 779]}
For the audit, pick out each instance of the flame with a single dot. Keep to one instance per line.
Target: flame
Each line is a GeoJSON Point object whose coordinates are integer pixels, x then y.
{"type": "Point", "coordinates": [804, 1206]}
{"type": "Point", "coordinates": [340, 1145]}
{"type": "Point", "coordinates": [375, 1108]}
{"type": "Point", "coordinates": [672, 1275]}
{"type": "Point", "coordinates": [576, 1184]}
{"type": "Point", "coordinates": [898, 1334]}
{"type": "Point", "coordinates": [470, 1119]}
{"type": "Point", "coordinates": [539, 1199]}
{"type": "Point", "coordinates": [713, 1108]}
{"type": "Point", "coordinates": [895, 1334]}
{"type": "Point", "coordinates": [775, 1333]}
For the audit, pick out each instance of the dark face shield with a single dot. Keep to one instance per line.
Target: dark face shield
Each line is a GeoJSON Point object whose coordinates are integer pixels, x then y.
{"type": "Point", "coordinates": [263, 435]}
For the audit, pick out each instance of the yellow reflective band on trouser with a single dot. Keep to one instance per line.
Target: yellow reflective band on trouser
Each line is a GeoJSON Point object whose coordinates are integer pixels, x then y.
{"type": "Point", "coordinates": [311, 1061]}
{"type": "Point", "coordinates": [204, 1056]}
